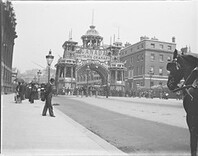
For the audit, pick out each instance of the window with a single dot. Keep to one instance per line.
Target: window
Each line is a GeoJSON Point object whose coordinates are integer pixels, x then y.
{"type": "Point", "coordinates": [131, 60]}
{"type": "Point", "coordinates": [161, 71]}
{"type": "Point", "coordinates": [168, 58]}
{"type": "Point", "coordinates": [169, 47]}
{"type": "Point", "coordinates": [152, 57]}
{"type": "Point", "coordinates": [151, 70]}
{"type": "Point", "coordinates": [152, 83]}
{"type": "Point", "coordinates": [137, 71]}
{"type": "Point", "coordinates": [142, 45]}
{"type": "Point", "coordinates": [138, 47]}
{"type": "Point", "coordinates": [142, 57]}
{"type": "Point", "coordinates": [138, 58]}
{"type": "Point", "coordinates": [130, 73]}
{"type": "Point", "coordinates": [161, 58]}
{"type": "Point", "coordinates": [141, 71]}
{"type": "Point", "coordinates": [161, 46]}
{"type": "Point", "coordinates": [131, 49]}
{"type": "Point", "coordinates": [152, 45]}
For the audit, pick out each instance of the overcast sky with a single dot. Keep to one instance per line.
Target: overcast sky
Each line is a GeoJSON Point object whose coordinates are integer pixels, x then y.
{"type": "Point", "coordinates": [45, 25]}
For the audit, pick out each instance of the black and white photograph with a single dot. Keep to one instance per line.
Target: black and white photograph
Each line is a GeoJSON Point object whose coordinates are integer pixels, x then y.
{"type": "Point", "coordinates": [99, 78]}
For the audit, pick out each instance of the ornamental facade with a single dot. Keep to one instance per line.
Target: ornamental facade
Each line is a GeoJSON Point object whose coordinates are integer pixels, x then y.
{"type": "Point", "coordinates": [90, 65]}
{"type": "Point", "coordinates": [8, 35]}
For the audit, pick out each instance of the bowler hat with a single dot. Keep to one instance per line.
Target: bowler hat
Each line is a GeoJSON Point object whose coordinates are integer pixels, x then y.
{"type": "Point", "coordinates": [52, 80]}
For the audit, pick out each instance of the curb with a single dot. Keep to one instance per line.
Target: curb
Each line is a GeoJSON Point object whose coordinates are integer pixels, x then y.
{"type": "Point", "coordinates": [105, 145]}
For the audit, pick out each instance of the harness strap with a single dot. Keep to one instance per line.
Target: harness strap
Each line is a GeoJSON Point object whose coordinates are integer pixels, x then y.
{"type": "Point", "coordinates": [192, 79]}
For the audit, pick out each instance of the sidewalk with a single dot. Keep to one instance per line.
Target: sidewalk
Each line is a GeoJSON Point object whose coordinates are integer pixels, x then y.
{"type": "Point", "coordinates": [26, 132]}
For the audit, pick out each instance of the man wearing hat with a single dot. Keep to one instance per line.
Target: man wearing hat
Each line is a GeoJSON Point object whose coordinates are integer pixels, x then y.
{"type": "Point", "coordinates": [48, 101]}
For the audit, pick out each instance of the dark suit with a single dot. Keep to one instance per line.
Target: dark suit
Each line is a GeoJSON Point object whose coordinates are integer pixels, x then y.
{"type": "Point", "coordinates": [48, 100]}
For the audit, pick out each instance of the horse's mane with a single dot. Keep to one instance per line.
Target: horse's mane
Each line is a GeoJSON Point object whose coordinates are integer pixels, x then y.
{"type": "Point", "coordinates": [192, 60]}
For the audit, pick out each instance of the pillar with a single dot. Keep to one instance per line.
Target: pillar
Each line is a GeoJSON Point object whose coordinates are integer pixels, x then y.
{"type": "Point", "coordinates": [71, 75]}
{"type": "Point", "coordinates": [122, 75]}
{"type": "Point", "coordinates": [58, 69]}
{"type": "Point", "coordinates": [116, 72]}
{"type": "Point", "coordinates": [65, 70]}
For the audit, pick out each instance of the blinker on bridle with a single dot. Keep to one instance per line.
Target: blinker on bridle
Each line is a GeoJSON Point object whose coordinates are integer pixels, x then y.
{"type": "Point", "coordinates": [177, 64]}
{"type": "Point", "coordinates": [173, 64]}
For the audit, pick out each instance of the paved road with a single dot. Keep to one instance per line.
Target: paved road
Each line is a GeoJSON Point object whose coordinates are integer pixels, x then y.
{"type": "Point", "coordinates": [129, 134]}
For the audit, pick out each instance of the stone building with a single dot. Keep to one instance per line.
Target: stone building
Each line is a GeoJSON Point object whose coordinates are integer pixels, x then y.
{"type": "Point", "coordinates": [8, 35]}
{"type": "Point", "coordinates": [146, 62]}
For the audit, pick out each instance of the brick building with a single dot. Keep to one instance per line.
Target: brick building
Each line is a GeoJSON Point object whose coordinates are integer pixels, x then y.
{"type": "Point", "coordinates": [146, 62]}
{"type": "Point", "coordinates": [8, 34]}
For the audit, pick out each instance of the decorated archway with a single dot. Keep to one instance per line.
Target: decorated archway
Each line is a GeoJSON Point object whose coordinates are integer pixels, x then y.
{"type": "Point", "coordinates": [100, 69]}
{"type": "Point", "coordinates": [91, 64]}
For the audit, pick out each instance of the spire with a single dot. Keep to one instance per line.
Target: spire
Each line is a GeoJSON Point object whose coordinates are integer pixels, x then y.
{"type": "Point", "coordinates": [70, 35]}
{"type": "Point", "coordinates": [189, 49]}
{"type": "Point", "coordinates": [92, 21]}
{"type": "Point", "coordinates": [118, 33]}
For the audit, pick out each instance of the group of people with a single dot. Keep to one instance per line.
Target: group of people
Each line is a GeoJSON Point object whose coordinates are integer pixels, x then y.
{"type": "Point", "coordinates": [22, 89]}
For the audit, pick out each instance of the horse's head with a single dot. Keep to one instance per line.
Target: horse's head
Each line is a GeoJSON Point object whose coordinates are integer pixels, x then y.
{"type": "Point", "coordinates": [180, 67]}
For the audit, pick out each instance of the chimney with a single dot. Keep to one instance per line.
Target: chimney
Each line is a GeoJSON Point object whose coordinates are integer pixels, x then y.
{"type": "Point", "coordinates": [173, 39]}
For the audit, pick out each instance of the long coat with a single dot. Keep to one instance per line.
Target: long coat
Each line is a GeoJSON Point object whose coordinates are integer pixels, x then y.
{"type": "Point", "coordinates": [48, 92]}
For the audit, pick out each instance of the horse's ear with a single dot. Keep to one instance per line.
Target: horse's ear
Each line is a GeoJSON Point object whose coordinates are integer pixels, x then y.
{"type": "Point", "coordinates": [175, 54]}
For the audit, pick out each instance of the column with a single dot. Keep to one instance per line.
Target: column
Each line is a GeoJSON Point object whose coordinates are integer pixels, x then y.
{"type": "Point", "coordinates": [58, 68]}
{"type": "Point", "coordinates": [116, 72]}
{"type": "Point", "coordinates": [122, 75]}
{"type": "Point", "coordinates": [96, 42]}
{"type": "Point", "coordinates": [65, 70]}
{"type": "Point", "coordinates": [71, 75]}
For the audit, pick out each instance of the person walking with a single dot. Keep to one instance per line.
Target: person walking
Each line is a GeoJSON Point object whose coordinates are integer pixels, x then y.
{"type": "Point", "coordinates": [19, 93]}
{"type": "Point", "coordinates": [48, 98]}
{"type": "Point", "coordinates": [33, 91]}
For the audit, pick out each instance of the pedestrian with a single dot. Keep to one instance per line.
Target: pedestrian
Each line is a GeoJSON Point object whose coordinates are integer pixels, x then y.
{"type": "Point", "coordinates": [23, 91]}
{"type": "Point", "coordinates": [48, 101]}
{"type": "Point", "coordinates": [33, 91]}
{"type": "Point", "coordinates": [19, 95]}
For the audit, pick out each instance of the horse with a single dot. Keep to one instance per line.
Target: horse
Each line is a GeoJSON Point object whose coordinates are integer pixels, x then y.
{"type": "Point", "coordinates": [186, 67]}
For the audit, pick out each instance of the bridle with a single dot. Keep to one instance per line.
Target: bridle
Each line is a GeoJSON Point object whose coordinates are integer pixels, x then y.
{"type": "Point", "coordinates": [173, 66]}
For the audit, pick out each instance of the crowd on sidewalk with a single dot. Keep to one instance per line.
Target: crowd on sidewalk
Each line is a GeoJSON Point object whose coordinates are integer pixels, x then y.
{"type": "Point", "coordinates": [32, 92]}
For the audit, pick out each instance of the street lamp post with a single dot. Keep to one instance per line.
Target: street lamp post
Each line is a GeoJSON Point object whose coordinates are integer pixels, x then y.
{"type": "Point", "coordinates": [88, 69]}
{"type": "Point", "coordinates": [107, 89]}
{"type": "Point", "coordinates": [49, 59]}
{"type": "Point", "coordinates": [150, 74]}
{"type": "Point", "coordinates": [39, 74]}
{"type": "Point", "coordinates": [34, 79]}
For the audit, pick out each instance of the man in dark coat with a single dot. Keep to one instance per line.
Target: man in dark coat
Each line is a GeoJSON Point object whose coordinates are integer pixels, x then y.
{"type": "Point", "coordinates": [19, 93]}
{"type": "Point", "coordinates": [48, 101]}
{"type": "Point", "coordinates": [33, 91]}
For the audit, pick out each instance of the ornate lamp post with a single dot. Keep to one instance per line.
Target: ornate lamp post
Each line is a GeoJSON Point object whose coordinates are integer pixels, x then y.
{"type": "Point", "coordinates": [39, 74]}
{"type": "Point", "coordinates": [88, 69]}
{"type": "Point", "coordinates": [150, 74]}
{"type": "Point", "coordinates": [34, 79]}
{"type": "Point", "coordinates": [49, 59]}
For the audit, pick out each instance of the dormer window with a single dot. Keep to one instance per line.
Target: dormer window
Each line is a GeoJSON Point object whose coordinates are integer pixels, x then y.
{"type": "Point", "coordinates": [152, 45]}
{"type": "Point", "coordinates": [169, 47]}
